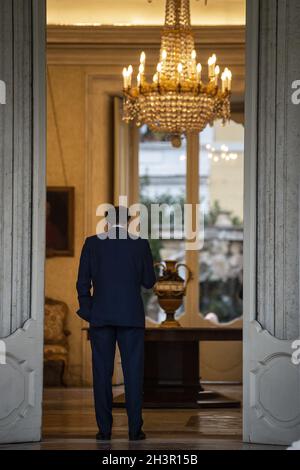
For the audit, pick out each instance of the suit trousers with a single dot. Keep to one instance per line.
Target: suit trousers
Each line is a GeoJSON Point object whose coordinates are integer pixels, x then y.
{"type": "Point", "coordinates": [131, 344]}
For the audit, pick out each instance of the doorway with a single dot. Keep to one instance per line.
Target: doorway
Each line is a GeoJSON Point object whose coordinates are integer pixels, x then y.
{"type": "Point", "coordinates": [90, 142]}
{"type": "Point", "coordinates": [80, 146]}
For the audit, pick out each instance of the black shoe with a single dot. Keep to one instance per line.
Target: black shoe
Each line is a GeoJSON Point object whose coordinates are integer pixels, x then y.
{"type": "Point", "coordinates": [137, 437]}
{"type": "Point", "coordinates": [103, 437]}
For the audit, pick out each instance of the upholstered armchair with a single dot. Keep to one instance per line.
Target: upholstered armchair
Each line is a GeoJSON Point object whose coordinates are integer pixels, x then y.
{"type": "Point", "coordinates": [55, 342]}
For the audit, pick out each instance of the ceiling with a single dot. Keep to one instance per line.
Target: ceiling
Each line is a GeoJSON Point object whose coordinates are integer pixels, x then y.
{"type": "Point", "coordinates": [141, 12]}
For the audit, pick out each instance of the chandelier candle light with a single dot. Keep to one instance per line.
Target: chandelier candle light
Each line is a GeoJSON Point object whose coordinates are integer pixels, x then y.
{"type": "Point", "coordinates": [177, 100]}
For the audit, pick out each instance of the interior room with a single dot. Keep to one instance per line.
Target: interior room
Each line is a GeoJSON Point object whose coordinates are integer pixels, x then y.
{"type": "Point", "coordinates": [88, 44]}
{"type": "Point", "coordinates": [182, 111]}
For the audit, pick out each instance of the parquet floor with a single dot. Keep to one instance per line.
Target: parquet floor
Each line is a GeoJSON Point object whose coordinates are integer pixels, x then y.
{"type": "Point", "coordinates": [69, 423]}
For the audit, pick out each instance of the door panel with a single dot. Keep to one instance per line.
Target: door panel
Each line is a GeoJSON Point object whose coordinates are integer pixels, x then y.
{"type": "Point", "coordinates": [22, 216]}
{"type": "Point", "coordinates": [271, 240]}
{"type": "Point", "coordinates": [274, 390]}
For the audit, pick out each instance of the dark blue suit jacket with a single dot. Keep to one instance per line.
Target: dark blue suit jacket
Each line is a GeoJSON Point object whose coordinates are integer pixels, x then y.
{"type": "Point", "coordinates": [115, 269]}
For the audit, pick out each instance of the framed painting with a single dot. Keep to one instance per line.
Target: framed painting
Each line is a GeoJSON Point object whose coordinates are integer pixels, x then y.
{"type": "Point", "coordinates": [60, 221]}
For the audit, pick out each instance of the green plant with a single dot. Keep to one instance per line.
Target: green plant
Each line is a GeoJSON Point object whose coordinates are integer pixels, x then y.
{"type": "Point", "coordinates": [211, 217]}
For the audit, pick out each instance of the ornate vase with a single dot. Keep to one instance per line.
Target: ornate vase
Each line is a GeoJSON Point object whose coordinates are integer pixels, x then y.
{"type": "Point", "coordinates": [170, 290]}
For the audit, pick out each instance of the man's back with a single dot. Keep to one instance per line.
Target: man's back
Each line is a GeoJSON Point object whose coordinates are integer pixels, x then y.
{"type": "Point", "coordinates": [116, 265]}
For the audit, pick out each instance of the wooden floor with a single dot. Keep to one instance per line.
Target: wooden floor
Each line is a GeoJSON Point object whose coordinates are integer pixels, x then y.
{"type": "Point", "coordinates": [69, 423]}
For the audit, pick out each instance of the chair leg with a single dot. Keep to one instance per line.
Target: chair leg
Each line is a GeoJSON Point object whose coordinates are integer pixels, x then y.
{"type": "Point", "coordinates": [64, 373]}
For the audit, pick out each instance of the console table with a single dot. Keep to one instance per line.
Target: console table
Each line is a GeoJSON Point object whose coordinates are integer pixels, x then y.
{"type": "Point", "coordinates": [172, 367]}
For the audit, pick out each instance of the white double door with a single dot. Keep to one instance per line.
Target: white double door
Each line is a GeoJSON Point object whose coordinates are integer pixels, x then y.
{"type": "Point", "coordinates": [271, 380]}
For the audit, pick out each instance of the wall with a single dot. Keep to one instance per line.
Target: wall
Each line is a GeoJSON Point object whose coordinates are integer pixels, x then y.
{"type": "Point", "coordinates": [66, 167]}
{"type": "Point", "coordinates": [69, 165]}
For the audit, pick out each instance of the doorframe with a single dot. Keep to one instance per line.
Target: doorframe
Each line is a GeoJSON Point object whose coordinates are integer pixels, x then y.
{"type": "Point", "coordinates": [39, 162]}
{"type": "Point", "coordinates": [250, 163]}
{"type": "Point", "coordinates": [250, 184]}
{"type": "Point", "coordinates": [39, 188]}
{"type": "Point", "coordinates": [250, 192]}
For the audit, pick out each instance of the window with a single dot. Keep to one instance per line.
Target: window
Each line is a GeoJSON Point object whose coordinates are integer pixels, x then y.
{"type": "Point", "coordinates": [163, 179]}
{"type": "Point", "coordinates": [221, 258]}
{"type": "Point", "coordinates": [162, 173]}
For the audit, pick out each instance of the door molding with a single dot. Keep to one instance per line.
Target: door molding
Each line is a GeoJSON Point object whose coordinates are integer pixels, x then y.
{"type": "Point", "coordinates": [271, 382]}
{"type": "Point", "coordinates": [22, 375]}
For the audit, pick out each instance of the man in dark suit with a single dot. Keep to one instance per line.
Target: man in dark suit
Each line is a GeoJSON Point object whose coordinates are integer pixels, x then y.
{"type": "Point", "coordinates": [116, 265]}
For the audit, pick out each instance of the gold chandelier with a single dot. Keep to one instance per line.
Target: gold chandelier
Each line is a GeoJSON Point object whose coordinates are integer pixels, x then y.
{"type": "Point", "coordinates": [177, 100]}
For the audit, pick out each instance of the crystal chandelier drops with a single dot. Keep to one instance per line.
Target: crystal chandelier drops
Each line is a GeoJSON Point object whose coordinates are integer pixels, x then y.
{"type": "Point", "coordinates": [177, 100]}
